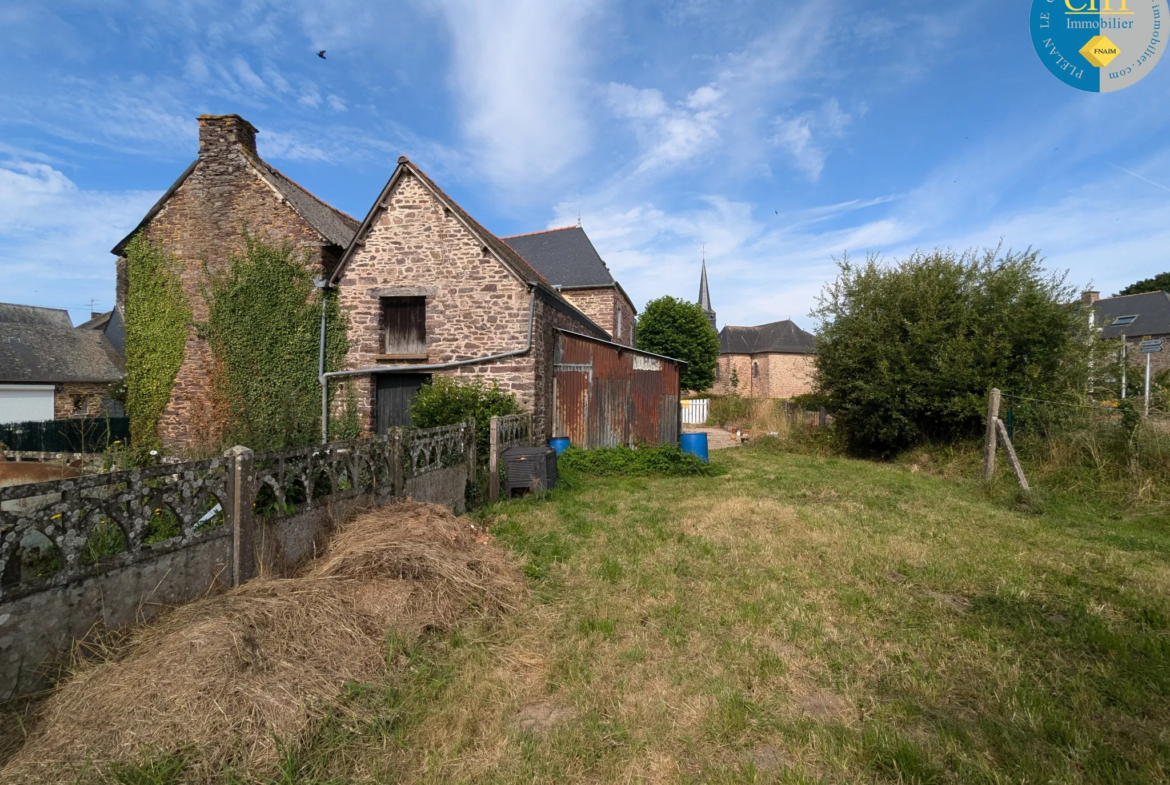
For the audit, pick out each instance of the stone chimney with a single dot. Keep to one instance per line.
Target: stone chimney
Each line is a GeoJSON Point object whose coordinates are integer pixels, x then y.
{"type": "Point", "coordinates": [217, 133]}
{"type": "Point", "coordinates": [1090, 297]}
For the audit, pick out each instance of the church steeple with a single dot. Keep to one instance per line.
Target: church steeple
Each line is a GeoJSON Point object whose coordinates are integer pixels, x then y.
{"type": "Point", "coordinates": [705, 295]}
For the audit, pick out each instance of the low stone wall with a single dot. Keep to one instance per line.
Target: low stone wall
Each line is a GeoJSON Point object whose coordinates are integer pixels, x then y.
{"type": "Point", "coordinates": [111, 549]}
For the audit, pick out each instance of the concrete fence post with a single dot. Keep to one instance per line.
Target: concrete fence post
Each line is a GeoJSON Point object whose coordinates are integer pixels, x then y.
{"type": "Point", "coordinates": [238, 513]}
{"type": "Point", "coordinates": [393, 439]}
{"type": "Point", "coordinates": [469, 450]}
{"type": "Point", "coordinates": [494, 460]}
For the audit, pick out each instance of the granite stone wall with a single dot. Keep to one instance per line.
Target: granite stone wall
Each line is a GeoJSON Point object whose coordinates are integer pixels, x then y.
{"type": "Point", "coordinates": [201, 226]}
{"type": "Point", "coordinates": [766, 375]}
{"type": "Point", "coordinates": [475, 306]}
{"type": "Point", "coordinates": [89, 393]}
{"type": "Point", "coordinates": [603, 305]}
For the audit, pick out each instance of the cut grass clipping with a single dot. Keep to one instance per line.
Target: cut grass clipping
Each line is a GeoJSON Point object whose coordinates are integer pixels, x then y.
{"type": "Point", "coordinates": [664, 461]}
{"type": "Point", "coordinates": [228, 680]}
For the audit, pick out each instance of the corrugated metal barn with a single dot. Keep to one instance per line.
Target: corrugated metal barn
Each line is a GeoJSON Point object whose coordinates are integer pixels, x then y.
{"type": "Point", "coordinates": [609, 395]}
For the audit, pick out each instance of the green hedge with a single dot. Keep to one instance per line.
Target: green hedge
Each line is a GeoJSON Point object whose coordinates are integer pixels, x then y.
{"type": "Point", "coordinates": [665, 461]}
{"type": "Point", "coordinates": [89, 434]}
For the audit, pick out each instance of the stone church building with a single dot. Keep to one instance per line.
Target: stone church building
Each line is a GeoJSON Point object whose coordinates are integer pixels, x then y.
{"type": "Point", "coordinates": [774, 360]}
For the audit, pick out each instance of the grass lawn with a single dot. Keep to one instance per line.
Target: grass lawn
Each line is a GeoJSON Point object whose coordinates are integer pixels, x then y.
{"type": "Point", "coordinates": [796, 619]}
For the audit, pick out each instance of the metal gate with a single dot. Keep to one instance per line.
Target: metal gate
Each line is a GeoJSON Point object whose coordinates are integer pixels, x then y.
{"type": "Point", "coordinates": [396, 392]}
{"type": "Point", "coordinates": [694, 412]}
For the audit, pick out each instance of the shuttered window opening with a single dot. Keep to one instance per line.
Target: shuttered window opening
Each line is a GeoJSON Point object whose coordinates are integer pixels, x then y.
{"type": "Point", "coordinates": [404, 327]}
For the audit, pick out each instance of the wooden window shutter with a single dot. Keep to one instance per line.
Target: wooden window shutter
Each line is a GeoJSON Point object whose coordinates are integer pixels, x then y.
{"type": "Point", "coordinates": [404, 325]}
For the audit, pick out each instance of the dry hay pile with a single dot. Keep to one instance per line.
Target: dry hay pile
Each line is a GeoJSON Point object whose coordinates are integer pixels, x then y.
{"type": "Point", "coordinates": [227, 675]}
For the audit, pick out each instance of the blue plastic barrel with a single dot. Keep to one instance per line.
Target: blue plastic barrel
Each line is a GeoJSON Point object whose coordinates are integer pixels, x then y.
{"type": "Point", "coordinates": [560, 444]}
{"type": "Point", "coordinates": [695, 444]}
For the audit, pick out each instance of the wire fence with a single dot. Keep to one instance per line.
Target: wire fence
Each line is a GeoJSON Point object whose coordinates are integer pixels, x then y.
{"type": "Point", "coordinates": [1108, 445]}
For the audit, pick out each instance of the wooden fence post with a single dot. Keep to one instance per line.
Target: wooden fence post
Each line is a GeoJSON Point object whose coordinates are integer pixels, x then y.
{"type": "Point", "coordinates": [989, 437]}
{"type": "Point", "coordinates": [1017, 469]}
{"type": "Point", "coordinates": [241, 487]}
{"type": "Point", "coordinates": [494, 460]}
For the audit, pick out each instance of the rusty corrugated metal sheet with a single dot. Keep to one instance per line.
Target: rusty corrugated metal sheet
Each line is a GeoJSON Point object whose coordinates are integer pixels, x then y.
{"type": "Point", "coordinates": [609, 395]}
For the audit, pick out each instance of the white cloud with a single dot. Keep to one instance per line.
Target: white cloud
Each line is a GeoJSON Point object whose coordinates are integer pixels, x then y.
{"type": "Point", "coordinates": [55, 238]}
{"type": "Point", "coordinates": [247, 76]}
{"type": "Point", "coordinates": [670, 135]}
{"type": "Point", "coordinates": [804, 136]}
{"type": "Point", "coordinates": [518, 73]}
{"type": "Point", "coordinates": [336, 103]}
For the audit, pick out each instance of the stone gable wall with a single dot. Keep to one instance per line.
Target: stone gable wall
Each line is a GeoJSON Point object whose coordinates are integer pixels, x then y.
{"type": "Point", "coordinates": [91, 393]}
{"type": "Point", "coordinates": [602, 305]}
{"type": "Point", "coordinates": [475, 306]}
{"type": "Point", "coordinates": [201, 226]}
{"type": "Point", "coordinates": [780, 375]}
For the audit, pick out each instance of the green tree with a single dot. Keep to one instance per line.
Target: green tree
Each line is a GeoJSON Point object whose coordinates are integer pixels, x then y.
{"type": "Point", "coordinates": [264, 322]}
{"type": "Point", "coordinates": [908, 351]}
{"type": "Point", "coordinates": [447, 401]}
{"type": "Point", "coordinates": [1157, 283]}
{"type": "Point", "coordinates": [679, 329]}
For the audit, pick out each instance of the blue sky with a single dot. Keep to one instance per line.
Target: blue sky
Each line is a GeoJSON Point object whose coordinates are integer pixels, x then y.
{"type": "Point", "coordinates": [779, 134]}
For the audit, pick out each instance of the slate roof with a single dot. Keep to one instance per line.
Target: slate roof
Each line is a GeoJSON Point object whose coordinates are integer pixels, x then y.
{"type": "Point", "coordinates": [36, 353]}
{"type": "Point", "coordinates": [332, 224]}
{"type": "Point", "coordinates": [1152, 310]}
{"type": "Point", "coordinates": [10, 313]}
{"type": "Point", "coordinates": [514, 261]}
{"type": "Point", "coordinates": [773, 338]}
{"type": "Point", "coordinates": [565, 257]}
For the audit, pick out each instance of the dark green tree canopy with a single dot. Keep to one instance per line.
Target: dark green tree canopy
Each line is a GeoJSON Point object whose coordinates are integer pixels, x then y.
{"type": "Point", "coordinates": [680, 329]}
{"type": "Point", "coordinates": [908, 351]}
{"type": "Point", "coordinates": [1157, 283]}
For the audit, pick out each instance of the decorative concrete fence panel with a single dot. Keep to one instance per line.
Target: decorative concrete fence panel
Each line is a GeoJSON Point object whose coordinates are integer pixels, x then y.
{"type": "Point", "coordinates": [111, 549]}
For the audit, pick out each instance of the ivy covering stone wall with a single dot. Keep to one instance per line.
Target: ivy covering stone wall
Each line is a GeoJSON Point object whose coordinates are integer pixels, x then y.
{"type": "Point", "coordinates": [264, 321]}
{"type": "Point", "coordinates": [157, 321]}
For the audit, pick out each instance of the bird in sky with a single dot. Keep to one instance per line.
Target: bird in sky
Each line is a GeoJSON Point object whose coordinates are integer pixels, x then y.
{"type": "Point", "coordinates": [321, 54]}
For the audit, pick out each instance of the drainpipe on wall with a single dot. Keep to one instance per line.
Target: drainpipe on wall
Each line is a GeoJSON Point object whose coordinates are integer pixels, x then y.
{"type": "Point", "coordinates": [322, 286]}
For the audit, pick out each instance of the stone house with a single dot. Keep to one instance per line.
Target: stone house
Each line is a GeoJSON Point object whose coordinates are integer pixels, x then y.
{"type": "Point", "coordinates": [200, 221]}
{"type": "Point", "coordinates": [427, 290]}
{"type": "Point", "coordinates": [1133, 318]}
{"type": "Point", "coordinates": [566, 258]}
{"type": "Point", "coordinates": [774, 360]}
{"type": "Point", "coordinates": [51, 370]}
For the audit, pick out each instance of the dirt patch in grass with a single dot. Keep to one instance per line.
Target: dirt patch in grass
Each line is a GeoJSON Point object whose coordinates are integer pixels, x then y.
{"type": "Point", "coordinates": [540, 718]}
{"type": "Point", "coordinates": [826, 706]}
{"type": "Point", "coordinates": [227, 680]}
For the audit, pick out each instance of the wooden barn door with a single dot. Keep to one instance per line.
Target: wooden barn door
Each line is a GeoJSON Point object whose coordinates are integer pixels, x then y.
{"type": "Point", "coordinates": [396, 392]}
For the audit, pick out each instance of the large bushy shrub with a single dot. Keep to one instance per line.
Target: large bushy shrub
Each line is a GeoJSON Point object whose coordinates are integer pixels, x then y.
{"type": "Point", "coordinates": [908, 351]}
{"type": "Point", "coordinates": [679, 329]}
{"type": "Point", "coordinates": [447, 401]}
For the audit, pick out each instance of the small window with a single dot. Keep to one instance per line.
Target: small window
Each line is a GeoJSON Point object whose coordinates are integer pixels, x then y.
{"type": "Point", "coordinates": [755, 369]}
{"type": "Point", "coordinates": [618, 332]}
{"type": "Point", "coordinates": [404, 325]}
{"type": "Point", "coordinates": [78, 405]}
{"type": "Point", "coordinates": [1121, 321]}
